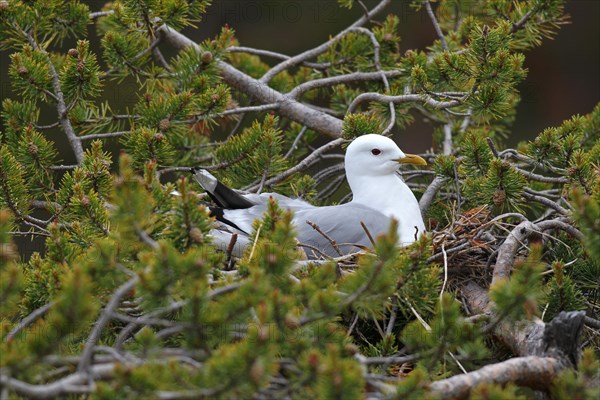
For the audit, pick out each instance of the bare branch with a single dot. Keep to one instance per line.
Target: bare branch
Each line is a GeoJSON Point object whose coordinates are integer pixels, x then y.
{"type": "Point", "coordinates": [86, 356]}
{"type": "Point", "coordinates": [430, 193]}
{"type": "Point", "coordinates": [233, 111]}
{"type": "Point", "coordinates": [326, 236]}
{"type": "Point", "coordinates": [339, 79]}
{"type": "Point", "coordinates": [28, 320]}
{"type": "Point", "coordinates": [71, 384]}
{"type": "Point", "coordinates": [534, 372]}
{"type": "Point", "coordinates": [99, 14]}
{"type": "Point", "coordinates": [307, 55]}
{"type": "Point", "coordinates": [557, 224]}
{"type": "Point", "coordinates": [302, 165]}
{"type": "Point", "coordinates": [405, 98]}
{"type": "Point", "coordinates": [541, 178]}
{"type": "Point", "coordinates": [508, 250]}
{"type": "Point", "coordinates": [273, 54]}
{"type": "Point", "coordinates": [436, 25]}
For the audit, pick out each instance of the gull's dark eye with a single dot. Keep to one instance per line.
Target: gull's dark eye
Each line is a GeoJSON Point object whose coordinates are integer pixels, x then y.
{"type": "Point", "coordinates": [376, 152]}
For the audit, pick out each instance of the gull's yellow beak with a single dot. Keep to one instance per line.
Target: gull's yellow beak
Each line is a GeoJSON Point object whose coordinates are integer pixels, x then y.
{"type": "Point", "coordinates": [412, 159]}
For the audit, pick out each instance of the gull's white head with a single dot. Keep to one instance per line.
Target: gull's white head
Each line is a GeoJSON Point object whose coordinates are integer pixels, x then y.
{"type": "Point", "coordinates": [376, 155]}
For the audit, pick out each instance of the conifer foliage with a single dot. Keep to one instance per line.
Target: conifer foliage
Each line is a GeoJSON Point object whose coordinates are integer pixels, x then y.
{"type": "Point", "coordinates": [130, 298]}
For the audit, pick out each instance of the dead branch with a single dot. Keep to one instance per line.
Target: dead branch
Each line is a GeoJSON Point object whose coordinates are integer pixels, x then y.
{"type": "Point", "coordinates": [533, 372]}
{"type": "Point", "coordinates": [508, 250]}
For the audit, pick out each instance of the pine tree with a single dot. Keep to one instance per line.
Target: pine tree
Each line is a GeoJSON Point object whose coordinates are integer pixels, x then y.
{"type": "Point", "coordinates": [130, 298]}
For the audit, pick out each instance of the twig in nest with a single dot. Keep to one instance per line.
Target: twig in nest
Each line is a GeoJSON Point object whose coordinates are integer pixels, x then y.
{"type": "Point", "coordinates": [492, 146]}
{"type": "Point", "coordinates": [326, 236]}
{"type": "Point", "coordinates": [230, 261]}
{"type": "Point", "coordinates": [368, 233]}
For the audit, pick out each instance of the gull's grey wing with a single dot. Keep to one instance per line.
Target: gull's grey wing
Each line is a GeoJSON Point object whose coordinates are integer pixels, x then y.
{"type": "Point", "coordinates": [342, 224]}
{"type": "Point", "coordinates": [243, 218]}
{"type": "Point", "coordinates": [283, 201]}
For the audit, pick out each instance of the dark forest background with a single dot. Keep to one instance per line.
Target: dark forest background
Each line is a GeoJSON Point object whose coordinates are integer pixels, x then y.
{"type": "Point", "coordinates": [563, 79]}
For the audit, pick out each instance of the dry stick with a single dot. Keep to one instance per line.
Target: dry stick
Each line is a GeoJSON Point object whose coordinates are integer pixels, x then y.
{"type": "Point", "coordinates": [99, 14]}
{"type": "Point", "coordinates": [514, 240]}
{"type": "Point", "coordinates": [127, 330]}
{"type": "Point", "coordinates": [150, 318]}
{"type": "Point", "coordinates": [146, 238]}
{"type": "Point", "coordinates": [352, 325]}
{"type": "Point", "coordinates": [520, 23]}
{"type": "Point", "coordinates": [86, 356]}
{"type": "Point", "coordinates": [461, 246]}
{"type": "Point", "coordinates": [326, 236]}
{"type": "Point", "coordinates": [368, 233]}
{"type": "Point", "coordinates": [229, 251]}
{"type": "Point", "coordinates": [313, 248]}
{"type": "Point", "coordinates": [492, 147]}
{"type": "Point", "coordinates": [49, 126]}
{"type": "Point", "coordinates": [457, 184]}
{"type": "Point", "coordinates": [293, 61]}
{"type": "Point", "coordinates": [392, 321]}
{"type": "Point", "coordinates": [331, 188]}
{"type": "Point", "coordinates": [445, 274]}
{"type": "Point", "coordinates": [295, 142]}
